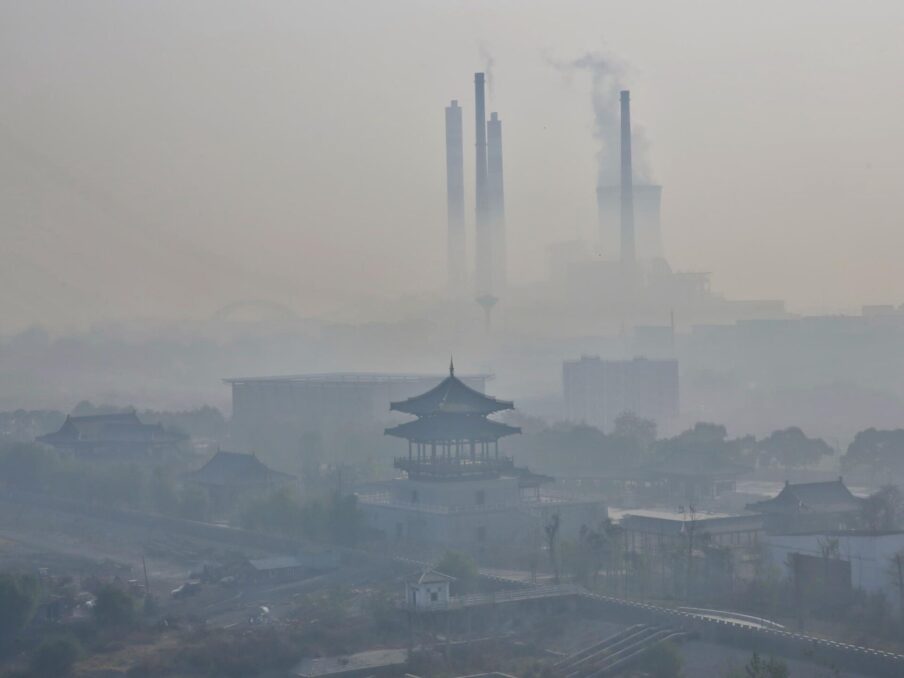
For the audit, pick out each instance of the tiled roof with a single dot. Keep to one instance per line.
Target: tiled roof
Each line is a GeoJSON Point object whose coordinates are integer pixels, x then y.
{"type": "Point", "coordinates": [827, 497]}
{"type": "Point", "coordinates": [448, 427]}
{"type": "Point", "coordinates": [234, 469]}
{"type": "Point", "coordinates": [451, 396]}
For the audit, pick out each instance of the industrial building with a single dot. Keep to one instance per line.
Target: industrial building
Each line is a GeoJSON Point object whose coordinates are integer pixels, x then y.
{"type": "Point", "coordinates": [598, 391]}
{"type": "Point", "coordinates": [278, 416]}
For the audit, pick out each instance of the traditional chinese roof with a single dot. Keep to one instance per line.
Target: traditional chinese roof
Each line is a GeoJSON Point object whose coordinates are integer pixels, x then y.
{"type": "Point", "coordinates": [451, 396]}
{"type": "Point", "coordinates": [825, 497]}
{"type": "Point", "coordinates": [100, 429]}
{"type": "Point", "coordinates": [429, 577]}
{"type": "Point", "coordinates": [451, 427]}
{"type": "Point", "coordinates": [234, 469]}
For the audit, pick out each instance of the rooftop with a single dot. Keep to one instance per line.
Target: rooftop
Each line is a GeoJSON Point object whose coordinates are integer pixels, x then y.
{"type": "Point", "coordinates": [428, 577]}
{"type": "Point", "coordinates": [233, 469]}
{"type": "Point", "coordinates": [120, 427]}
{"type": "Point", "coordinates": [349, 664]}
{"type": "Point", "coordinates": [452, 427]}
{"type": "Point", "coordinates": [451, 396]}
{"type": "Point", "coordinates": [831, 496]}
{"type": "Point", "coordinates": [353, 378]}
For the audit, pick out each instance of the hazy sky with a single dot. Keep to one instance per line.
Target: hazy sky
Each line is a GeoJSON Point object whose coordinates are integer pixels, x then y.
{"type": "Point", "coordinates": [164, 157]}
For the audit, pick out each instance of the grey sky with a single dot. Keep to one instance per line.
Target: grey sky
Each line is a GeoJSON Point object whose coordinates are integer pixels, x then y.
{"type": "Point", "coordinates": [294, 150]}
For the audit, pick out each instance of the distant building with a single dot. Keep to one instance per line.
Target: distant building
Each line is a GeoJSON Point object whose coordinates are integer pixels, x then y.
{"type": "Point", "coordinates": [278, 416]}
{"type": "Point", "coordinates": [869, 555]}
{"type": "Point", "coordinates": [808, 507]}
{"type": "Point", "coordinates": [121, 435]}
{"type": "Point", "coordinates": [289, 568]}
{"type": "Point", "coordinates": [659, 531]}
{"type": "Point", "coordinates": [724, 546]}
{"type": "Point", "coordinates": [598, 391]}
{"type": "Point", "coordinates": [231, 477]}
{"type": "Point", "coordinates": [459, 490]}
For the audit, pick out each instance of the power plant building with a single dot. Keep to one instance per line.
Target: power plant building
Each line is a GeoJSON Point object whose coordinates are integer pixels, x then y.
{"type": "Point", "coordinates": [597, 392]}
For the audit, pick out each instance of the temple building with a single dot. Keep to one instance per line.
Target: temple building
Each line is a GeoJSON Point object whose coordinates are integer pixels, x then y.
{"type": "Point", "coordinates": [120, 436]}
{"type": "Point", "coordinates": [233, 478]}
{"type": "Point", "coordinates": [458, 489]}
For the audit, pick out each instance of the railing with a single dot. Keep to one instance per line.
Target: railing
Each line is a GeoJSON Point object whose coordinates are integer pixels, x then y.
{"type": "Point", "coordinates": [498, 597]}
{"type": "Point", "coordinates": [525, 503]}
{"type": "Point", "coordinates": [386, 499]}
{"type": "Point", "coordinates": [449, 468]}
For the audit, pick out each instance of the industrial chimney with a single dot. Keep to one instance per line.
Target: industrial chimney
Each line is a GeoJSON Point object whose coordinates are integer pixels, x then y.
{"type": "Point", "coordinates": [496, 201]}
{"type": "Point", "coordinates": [455, 200]}
{"type": "Point", "coordinates": [627, 183]}
{"type": "Point", "coordinates": [483, 241]}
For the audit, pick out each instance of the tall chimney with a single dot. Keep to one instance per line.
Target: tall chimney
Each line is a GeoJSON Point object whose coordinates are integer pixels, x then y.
{"type": "Point", "coordinates": [483, 242]}
{"type": "Point", "coordinates": [627, 183]}
{"type": "Point", "coordinates": [455, 199]}
{"type": "Point", "coordinates": [496, 200]}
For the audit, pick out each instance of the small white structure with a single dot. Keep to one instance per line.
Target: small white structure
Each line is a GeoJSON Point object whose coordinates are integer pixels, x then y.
{"type": "Point", "coordinates": [428, 590]}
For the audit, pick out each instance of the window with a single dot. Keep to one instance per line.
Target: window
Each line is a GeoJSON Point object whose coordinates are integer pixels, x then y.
{"type": "Point", "coordinates": [480, 497]}
{"type": "Point", "coordinates": [434, 596]}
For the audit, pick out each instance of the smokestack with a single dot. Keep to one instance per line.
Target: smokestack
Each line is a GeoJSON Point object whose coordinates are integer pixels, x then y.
{"type": "Point", "coordinates": [455, 199]}
{"type": "Point", "coordinates": [483, 242]}
{"type": "Point", "coordinates": [496, 200]}
{"type": "Point", "coordinates": [627, 183]}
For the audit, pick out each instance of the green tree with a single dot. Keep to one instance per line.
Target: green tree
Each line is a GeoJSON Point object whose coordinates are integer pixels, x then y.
{"type": "Point", "coordinates": [344, 519]}
{"type": "Point", "coordinates": [462, 567]}
{"type": "Point", "coordinates": [663, 661]}
{"type": "Point", "coordinates": [114, 607]}
{"type": "Point", "coordinates": [18, 598]}
{"type": "Point", "coordinates": [791, 448]}
{"type": "Point", "coordinates": [552, 536]}
{"type": "Point", "coordinates": [631, 427]}
{"type": "Point", "coordinates": [882, 510]}
{"type": "Point", "coordinates": [758, 667]}
{"type": "Point", "coordinates": [881, 452]}
{"type": "Point", "coordinates": [193, 503]}
{"type": "Point", "coordinates": [55, 657]}
{"type": "Point", "coordinates": [26, 466]}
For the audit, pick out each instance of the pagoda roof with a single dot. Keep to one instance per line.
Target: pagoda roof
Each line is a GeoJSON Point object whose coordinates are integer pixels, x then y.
{"type": "Point", "coordinates": [235, 469]}
{"type": "Point", "coordinates": [821, 497]}
{"type": "Point", "coordinates": [448, 427]}
{"type": "Point", "coordinates": [451, 396]}
{"type": "Point", "coordinates": [121, 427]}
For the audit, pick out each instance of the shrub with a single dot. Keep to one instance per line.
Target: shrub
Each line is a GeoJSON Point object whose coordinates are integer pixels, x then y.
{"type": "Point", "coordinates": [114, 607]}
{"type": "Point", "coordinates": [55, 657]}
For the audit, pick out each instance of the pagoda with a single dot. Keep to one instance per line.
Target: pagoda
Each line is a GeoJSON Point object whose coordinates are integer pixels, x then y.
{"type": "Point", "coordinates": [452, 437]}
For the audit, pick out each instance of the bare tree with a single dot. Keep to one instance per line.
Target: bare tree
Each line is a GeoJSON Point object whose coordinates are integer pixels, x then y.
{"type": "Point", "coordinates": [552, 534]}
{"type": "Point", "coordinates": [896, 572]}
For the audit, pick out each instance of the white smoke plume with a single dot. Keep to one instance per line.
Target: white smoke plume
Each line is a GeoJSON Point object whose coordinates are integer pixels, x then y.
{"type": "Point", "coordinates": [488, 63]}
{"type": "Point", "coordinates": [607, 76]}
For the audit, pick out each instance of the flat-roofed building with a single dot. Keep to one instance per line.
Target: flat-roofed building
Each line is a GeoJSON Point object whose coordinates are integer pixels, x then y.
{"type": "Point", "coordinates": [598, 391]}
{"type": "Point", "coordinates": [278, 416]}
